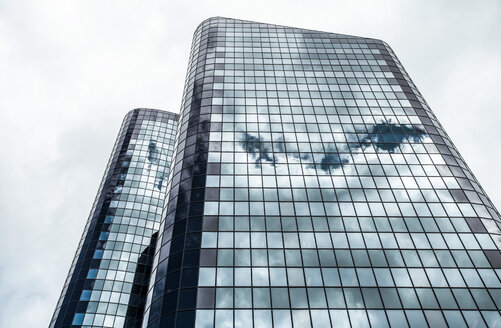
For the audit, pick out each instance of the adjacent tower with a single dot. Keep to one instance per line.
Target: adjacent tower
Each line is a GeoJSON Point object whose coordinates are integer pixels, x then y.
{"type": "Point", "coordinates": [314, 187]}
{"type": "Point", "coordinates": [107, 282]}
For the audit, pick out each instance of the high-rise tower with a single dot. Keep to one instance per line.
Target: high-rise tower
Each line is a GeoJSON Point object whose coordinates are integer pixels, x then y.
{"type": "Point", "coordinates": [310, 186]}
{"type": "Point", "coordinates": [108, 280]}
{"type": "Point", "coordinates": [313, 186]}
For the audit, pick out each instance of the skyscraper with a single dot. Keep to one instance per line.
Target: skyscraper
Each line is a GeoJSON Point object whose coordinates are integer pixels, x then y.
{"type": "Point", "coordinates": [108, 279]}
{"type": "Point", "coordinates": [312, 186]}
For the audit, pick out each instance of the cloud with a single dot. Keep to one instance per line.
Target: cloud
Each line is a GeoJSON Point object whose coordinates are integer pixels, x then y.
{"type": "Point", "coordinates": [71, 70]}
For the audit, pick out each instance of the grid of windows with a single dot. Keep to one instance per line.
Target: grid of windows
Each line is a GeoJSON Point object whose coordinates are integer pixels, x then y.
{"type": "Point", "coordinates": [108, 280]}
{"type": "Point", "coordinates": [312, 186]}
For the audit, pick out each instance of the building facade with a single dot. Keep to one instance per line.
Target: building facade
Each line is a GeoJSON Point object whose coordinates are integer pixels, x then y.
{"type": "Point", "coordinates": [312, 186]}
{"type": "Point", "coordinates": [108, 279]}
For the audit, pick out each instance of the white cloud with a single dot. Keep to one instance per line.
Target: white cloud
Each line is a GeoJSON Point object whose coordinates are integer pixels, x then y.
{"type": "Point", "coordinates": [71, 70]}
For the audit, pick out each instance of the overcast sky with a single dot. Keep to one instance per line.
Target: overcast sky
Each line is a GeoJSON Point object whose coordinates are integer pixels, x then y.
{"type": "Point", "coordinates": [70, 70]}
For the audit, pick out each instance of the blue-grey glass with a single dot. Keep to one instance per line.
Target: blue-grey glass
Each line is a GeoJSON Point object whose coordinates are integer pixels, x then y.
{"type": "Point", "coordinates": [108, 280]}
{"type": "Point", "coordinates": [309, 164]}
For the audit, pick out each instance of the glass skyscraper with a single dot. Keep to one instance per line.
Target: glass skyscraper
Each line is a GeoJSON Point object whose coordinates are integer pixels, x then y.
{"type": "Point", "coordinates": [312, 186]}
{"type": "Point", "coordinates": [108, 279]}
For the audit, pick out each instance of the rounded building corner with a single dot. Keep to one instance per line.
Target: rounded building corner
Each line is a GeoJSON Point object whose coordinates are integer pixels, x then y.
{"type": "Point", "coordinates": [132, 111]}
{"type": "Point", "coordinates": [381, 41]}
{"type": "Point", "coordinates": [206, 21]}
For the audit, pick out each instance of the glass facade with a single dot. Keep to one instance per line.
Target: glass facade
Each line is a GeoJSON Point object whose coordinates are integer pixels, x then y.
{"type": "Point", "coordinates": [312, 186]}
{"type": "Point", "coordinates": [108, 280]}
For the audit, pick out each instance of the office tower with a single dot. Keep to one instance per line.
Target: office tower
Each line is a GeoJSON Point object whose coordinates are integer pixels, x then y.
{"type": "Point", "coordinates": [313, 186]}
{"type": "Point", "coordinates": [108, 279]}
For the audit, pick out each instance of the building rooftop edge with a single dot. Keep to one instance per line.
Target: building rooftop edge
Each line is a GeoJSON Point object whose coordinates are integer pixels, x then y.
{"type": "Point", "coordinates": [285, 26]}
{"type": "Point", "coordinates": [151, 109]}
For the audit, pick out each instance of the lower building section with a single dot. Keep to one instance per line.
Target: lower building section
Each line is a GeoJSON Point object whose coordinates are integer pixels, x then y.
{"type": "Point", "coordinates": [346, 318]}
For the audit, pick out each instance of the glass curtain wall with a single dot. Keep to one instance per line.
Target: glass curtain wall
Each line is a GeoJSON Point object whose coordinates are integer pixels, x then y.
{"type": "Point", "coordinates": [108, 280]}
{"type": "Point", "coordinates": [314, 187]}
